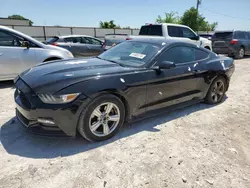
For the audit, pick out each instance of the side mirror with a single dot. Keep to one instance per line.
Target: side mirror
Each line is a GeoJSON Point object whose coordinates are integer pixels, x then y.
{"type": "Point", "coordinates": [165, 65]}
{"type": "Point", "coordinates": [26, 44]}
{"type": "Point", "coordinates": [197, 37]}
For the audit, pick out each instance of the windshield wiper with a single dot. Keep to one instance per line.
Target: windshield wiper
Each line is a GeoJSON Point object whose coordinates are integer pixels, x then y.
{"type": "Point", "coordinates": [112, 61]}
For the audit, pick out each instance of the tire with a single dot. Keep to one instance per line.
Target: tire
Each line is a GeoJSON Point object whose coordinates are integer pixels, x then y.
{"type": "Point", "coordinates": [97, 113]}
{"type": "Point", "coordinates": [240, 54]}
{"type": "Point", "coordinates": [215, 96]}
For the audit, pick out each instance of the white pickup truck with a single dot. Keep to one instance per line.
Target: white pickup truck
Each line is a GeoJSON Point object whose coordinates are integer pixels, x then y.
{"type": "Point", "coordinates": [165, 30]}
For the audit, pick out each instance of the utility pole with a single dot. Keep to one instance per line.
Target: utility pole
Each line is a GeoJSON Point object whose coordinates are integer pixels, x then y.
{"type": "Point", "coordinates": [197, 9]}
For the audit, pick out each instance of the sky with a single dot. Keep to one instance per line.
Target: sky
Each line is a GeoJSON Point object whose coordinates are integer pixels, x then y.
{"type": "Point", "coordinates": [133, 13]}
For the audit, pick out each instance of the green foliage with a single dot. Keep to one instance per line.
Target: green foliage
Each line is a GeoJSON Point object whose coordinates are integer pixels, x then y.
{"type": "Point", "coordinates": [171, 17]}
{"type": "Point", "coordinates": [189, 18]}
{"type": "Point", "coordinates": [19, 17]}
{"type": "Point", "coordinates": [109, 25]}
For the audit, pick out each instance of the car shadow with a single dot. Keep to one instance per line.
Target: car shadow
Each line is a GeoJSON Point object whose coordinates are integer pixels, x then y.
{"type": "Point", "coordinates": [17, 141]}
{"type": "Point", "coordinates": [6, 84]}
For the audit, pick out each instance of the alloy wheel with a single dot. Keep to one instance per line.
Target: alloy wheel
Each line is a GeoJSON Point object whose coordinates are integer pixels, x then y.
{"type": "Point", "coordinates": [241, 53]}
{"type": "Point", "coordinates": [104, 119]}
{"type": "Point", "coordinates": [217, 90]}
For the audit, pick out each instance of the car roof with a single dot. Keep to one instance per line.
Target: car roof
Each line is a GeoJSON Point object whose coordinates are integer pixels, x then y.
{"type": "Point", "coordinates": [163, 42]}
{"type": "Point", "coordinates": [166, 24]}
{"type": "Point", "coordinates": [65, 36]}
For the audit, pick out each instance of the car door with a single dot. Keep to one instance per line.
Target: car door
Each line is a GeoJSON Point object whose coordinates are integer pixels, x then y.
{"type": "Point", "coordinates": [13, 57]}
{"type": "Point", "coordinates": [176, 85]}
{"type": "Point", "coordinates": [94, 45]}
{"type": "Point", "coordinates": [76, 47]}
{"type": "Point", "coordinates": [182, 34]}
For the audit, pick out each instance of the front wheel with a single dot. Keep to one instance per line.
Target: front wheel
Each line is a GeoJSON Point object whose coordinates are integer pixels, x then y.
{"type": "Point", "coordinates": [216, 91]}
{"type": "Point", "coordinates": [102, 118]}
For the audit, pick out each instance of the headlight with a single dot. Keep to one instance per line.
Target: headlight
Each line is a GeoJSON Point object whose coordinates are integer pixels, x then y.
{"type": "Point", "coordinates": [58, 99]}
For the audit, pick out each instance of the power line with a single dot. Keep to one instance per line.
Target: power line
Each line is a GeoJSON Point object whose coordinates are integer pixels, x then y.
{"type": "Point", "coordinates": [224, 14]}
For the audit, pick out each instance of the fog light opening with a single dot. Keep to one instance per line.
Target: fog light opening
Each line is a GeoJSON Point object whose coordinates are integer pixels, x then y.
{"type": "Point", "coordinates": [46, 121]}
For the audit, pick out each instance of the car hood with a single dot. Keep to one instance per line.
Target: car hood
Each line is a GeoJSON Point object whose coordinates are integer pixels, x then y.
{"type": "Point", "coordinates": [205, 40]}
{"type": "Point", "coordinates": [53, 76]}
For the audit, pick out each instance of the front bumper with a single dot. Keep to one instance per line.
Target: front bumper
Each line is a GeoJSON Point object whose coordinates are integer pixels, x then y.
{"type": "Point", "coordinates": [29, 109]}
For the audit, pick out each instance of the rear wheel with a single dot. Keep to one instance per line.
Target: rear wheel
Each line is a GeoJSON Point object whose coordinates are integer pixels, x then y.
{"type": "Point", "coordinates": [241, 53]}
{"type": "Point", "coordinates": [102, 118]}
{"type": "Point", "coordinates": [216, 91]}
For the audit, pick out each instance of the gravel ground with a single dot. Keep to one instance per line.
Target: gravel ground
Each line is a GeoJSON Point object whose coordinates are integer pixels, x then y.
{"type": "Point", "coordinates": [199, 146]}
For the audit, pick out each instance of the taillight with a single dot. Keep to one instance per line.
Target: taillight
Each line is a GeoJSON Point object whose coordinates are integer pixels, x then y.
{"type": "Point", "coordinates": [54, 43]}
{"type": "Point", "coordinates": [128, 38]}
{"type": "Point", "coordinates": [234, 41]}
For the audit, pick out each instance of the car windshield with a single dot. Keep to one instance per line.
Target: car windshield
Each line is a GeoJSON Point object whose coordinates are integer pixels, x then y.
{"type": "Point", "coordinates": [131, 53]}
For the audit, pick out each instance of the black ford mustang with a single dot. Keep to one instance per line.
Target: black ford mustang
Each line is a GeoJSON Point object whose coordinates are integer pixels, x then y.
{"type": "Point", "coordinates": [95, 96]}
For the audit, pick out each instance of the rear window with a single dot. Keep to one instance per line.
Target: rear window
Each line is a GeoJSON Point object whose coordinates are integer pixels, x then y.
{"type": "Point", "coordinates": [51, 40]}
{"type": "Point", "coordinates": [223, 35]}
{"type": "Point", "coordinates": [154, 30]}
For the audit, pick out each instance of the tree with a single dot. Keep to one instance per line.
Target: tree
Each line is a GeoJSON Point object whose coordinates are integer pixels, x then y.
{"type": "Point", "coordinates": [169, 18]}
{"type": "Point", "coordinates": [197, 22]}
{"type": "Point", "coordinates": [109, 24]}
{"type": "Point", "coordinates": [19, 17]}
{"type": "Point", "coordinates": [213, 26]}
{"type": "Point", "coordinates": [190, 19]}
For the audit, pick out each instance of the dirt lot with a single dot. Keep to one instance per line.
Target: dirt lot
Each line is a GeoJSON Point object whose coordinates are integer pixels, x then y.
{"type": "Point", "coordinates": [199, 146]}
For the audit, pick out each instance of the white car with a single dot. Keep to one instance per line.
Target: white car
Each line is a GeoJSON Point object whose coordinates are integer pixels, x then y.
{"type": "Point", "coordinates": [163, 31]}
{"type": "Point", "coordinates": [19, 52]}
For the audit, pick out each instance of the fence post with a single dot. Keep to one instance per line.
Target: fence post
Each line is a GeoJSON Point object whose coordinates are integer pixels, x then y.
{"type": "Point", "coordinates": [71, 30]}
{"type": "Point", "coordinates": [44, 33]}
{"type": "Point", "coordinates": [94, 32]}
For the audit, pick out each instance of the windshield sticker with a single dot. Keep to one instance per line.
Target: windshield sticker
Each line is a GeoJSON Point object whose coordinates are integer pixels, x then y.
{"type": "Point", "coordinates": [137, 55]}
{"type": "Point", "coordinates": [75, 62]}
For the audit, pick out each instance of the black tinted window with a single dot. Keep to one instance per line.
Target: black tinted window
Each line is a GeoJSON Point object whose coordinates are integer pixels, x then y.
{"type": "Point", "coordinates": [187, 33]}
{"type": "Point", "coordinates": [240, 35]}
{"type": "Point", "coordinates": [223, 35]}
{"type": "Point", "coordinates": [183, 54]}
{"type": "Point", "coordinates": [200, 54]}
{"type": "Point", "coordinates": [92, 41]}
{"type": "Point", "coordinates": [174, 31]}
{"type": "Point", "coordinates": [155, 30]}
{"type": "Point", "coordinates": [73, 39]}
{"type": "Point", "coordinates": [179, 54]}
{"type": "Point", "coordinates": [7, 39]}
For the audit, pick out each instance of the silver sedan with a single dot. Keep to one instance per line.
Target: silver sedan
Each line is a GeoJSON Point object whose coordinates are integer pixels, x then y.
{"type": "Point", "coordinates": [78, 45]}
{"type": "Point", "coordinates": [19, 52]}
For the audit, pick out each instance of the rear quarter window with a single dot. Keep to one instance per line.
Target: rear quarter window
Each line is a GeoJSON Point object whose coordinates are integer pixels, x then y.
{"type": "Point", "coordinates": [154, 30]}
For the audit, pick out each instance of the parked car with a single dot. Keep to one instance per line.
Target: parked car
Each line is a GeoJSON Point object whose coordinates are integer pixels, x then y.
{"type": "Point", "coordinates": [79, 45]}
{"type": "Point", "coordinates": [233, 43]}
{"type": "Point", "coordinates": [111, 40]}
{"type": "Point", "coordinates": [96, 95]}
{"type": "Point", "coordinates": [206, 35]}
{"type": "Point", "coordinates": [169, 31]}
{"type": "Point", "coordinates": [19, 52]}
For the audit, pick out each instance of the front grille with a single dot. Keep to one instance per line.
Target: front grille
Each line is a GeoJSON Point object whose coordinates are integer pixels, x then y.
{"type": "Point", "coordinates": [24, 100]}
